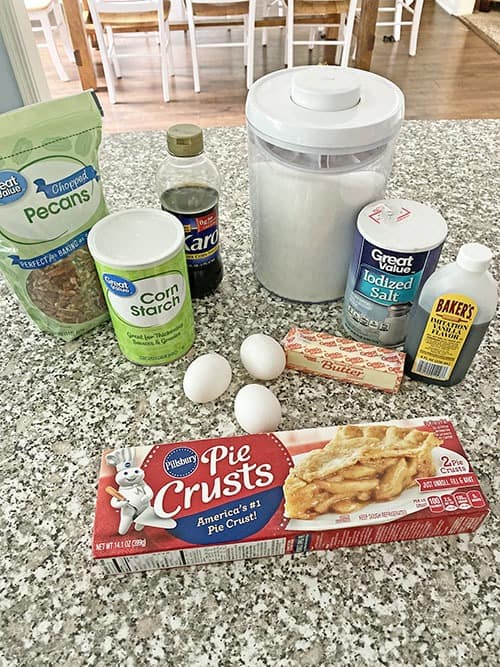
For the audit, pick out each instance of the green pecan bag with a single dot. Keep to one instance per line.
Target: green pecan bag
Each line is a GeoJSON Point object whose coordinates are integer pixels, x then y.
{"type": "Point", "coordinates": [50, 196]}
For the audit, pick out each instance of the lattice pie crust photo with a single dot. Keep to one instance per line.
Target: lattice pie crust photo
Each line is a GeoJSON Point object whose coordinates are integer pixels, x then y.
{"type": "Point", "coordinates": [361, 465]}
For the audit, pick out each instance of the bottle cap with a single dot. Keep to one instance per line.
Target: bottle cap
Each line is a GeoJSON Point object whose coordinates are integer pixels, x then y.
{"type": "Point", "coordinates": [185, 140]}
{"type": "Point", "coordinates": [474, 257]}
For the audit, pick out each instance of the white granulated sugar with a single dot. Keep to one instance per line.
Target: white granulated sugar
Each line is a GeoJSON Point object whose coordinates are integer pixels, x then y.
{"type": "Point", "coordinates": [305, 228]}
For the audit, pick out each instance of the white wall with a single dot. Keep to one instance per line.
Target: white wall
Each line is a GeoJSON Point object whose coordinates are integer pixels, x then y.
{"type": "Point", "coordinates": [457, 7]}
{"type": "Point", "coordinates": [10, 97]}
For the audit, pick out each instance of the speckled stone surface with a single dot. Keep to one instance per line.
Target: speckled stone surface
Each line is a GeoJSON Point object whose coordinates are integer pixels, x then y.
{"type": "Point", "coordinates": [429, 602]}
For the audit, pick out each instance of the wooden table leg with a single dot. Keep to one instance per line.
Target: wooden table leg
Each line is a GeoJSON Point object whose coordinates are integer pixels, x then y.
{"type": "Point", "coordinates": [366, 34]}
{"type": "Point", "coordinates": [78, 35]}
{"type": "Point", "coordinates": [330, 51]}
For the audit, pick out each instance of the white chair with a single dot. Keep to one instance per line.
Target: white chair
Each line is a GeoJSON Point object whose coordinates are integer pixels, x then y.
{"type": "Point", "coordinates": [320, 13]}
{"type": "Point", "coordinates": [106, 14]}
{"type": "Point", "coordinates": [200, 11]}
{"type": "Point", "coordinates": [49, 15]}
{"type": "Point", "coordinates": [397, 10]}
{"type": "Point", "coordinates": [177, 13]}
{"type": "Point", "coordinates": [280, 6]}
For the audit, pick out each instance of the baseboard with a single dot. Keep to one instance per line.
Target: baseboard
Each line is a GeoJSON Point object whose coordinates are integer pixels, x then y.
{"type": "Point", "coordinates": [23, 53]}
{"type": "Point", "coordinates": [486, 38]}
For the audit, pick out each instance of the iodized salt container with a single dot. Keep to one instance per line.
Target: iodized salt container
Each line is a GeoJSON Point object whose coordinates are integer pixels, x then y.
{"type": "Point", "coordinates": [320, 143]}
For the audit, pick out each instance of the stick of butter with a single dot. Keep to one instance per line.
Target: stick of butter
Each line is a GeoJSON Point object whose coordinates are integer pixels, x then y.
{"type": "Point", "coordinates": [344, 360]}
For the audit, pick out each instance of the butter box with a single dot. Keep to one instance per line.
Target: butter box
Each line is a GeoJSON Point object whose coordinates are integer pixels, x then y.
{"type": "Point", "coordinates": [289, 492]}
{"type": "Point", "coordinates": [344, 360]}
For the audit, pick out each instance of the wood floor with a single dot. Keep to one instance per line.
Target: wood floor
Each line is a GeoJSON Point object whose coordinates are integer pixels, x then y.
{"type": "Point", "coordinates": [454, 75]}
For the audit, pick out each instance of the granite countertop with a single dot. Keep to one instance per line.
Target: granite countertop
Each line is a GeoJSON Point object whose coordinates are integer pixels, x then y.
{"type": "Point", "coordinates": [428, 602]}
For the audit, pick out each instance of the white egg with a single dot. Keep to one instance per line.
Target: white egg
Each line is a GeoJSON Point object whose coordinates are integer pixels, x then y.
{"type": "Point", "coordinates": [207, 378]}
{"type": "Point", "coordinates": [262, 356]}
{"type": "Point", "coordinates": [257, 409]}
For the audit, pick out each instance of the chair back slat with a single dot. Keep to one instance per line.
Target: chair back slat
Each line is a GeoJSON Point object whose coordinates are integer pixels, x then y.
{"type": "Point", "coordinates": [126, 7]}
{"type": "Point", "coordinates": [320, 7]}
{"type": "Point", "coordinates": [146, 19]}
{"type": "Point", "coordinates": [220, 8]}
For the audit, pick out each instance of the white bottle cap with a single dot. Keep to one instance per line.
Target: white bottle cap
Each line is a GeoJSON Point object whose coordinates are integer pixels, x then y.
{"type": "Point", "coordinates": [474, 257]}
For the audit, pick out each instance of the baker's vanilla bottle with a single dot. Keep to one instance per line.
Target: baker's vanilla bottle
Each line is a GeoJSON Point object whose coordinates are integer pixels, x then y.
{"type": "Point", "coordinates": [449, 321]}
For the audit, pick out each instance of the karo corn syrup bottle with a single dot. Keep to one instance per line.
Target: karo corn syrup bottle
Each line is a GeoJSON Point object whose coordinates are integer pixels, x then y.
{"type": "Point", "coordinates": [188, 184]}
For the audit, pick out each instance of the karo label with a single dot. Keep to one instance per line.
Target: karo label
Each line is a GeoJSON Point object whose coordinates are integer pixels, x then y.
{"type": "Point", "coordinates": [201, 235]}
{"type": "Point", "coordinates": [206, 221]}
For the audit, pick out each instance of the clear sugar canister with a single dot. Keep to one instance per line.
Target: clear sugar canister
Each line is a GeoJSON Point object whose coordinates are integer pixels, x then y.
{"type": "Point", "coordinates": [321, 141]}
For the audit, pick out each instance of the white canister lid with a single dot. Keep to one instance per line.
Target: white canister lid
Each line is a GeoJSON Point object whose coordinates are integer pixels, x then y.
{"type": "Point", "coordinates": [402, 225]}
{"type": "Point", "coordinates": [336, 110]}
{"type": "Point", "coordinates": [137, 238]}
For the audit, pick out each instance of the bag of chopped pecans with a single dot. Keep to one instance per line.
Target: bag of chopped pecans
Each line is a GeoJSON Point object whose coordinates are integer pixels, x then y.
{"type": "Point", "coordinates": [50, 197]}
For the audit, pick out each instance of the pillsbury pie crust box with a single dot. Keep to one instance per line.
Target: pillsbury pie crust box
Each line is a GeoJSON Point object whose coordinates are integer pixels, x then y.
{"type": "Point", "coordinates": [230, 498]}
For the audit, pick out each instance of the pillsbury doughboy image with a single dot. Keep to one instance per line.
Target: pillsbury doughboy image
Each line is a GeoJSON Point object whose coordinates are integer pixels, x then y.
{"type": "Point", "coordinates": [134, 495]}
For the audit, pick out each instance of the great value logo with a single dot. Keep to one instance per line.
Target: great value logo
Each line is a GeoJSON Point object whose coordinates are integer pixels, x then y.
{"type": "Point", "coordinates": [392, 263]}
{"type": "Point", "coordinates": [387, 276]}
{"type": "Point", "coordinates": [118, 285]}
{"type": "Point", "coordinates": [13, 186]}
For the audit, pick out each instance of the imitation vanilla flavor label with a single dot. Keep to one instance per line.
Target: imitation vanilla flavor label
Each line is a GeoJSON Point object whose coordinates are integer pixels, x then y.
{"type": "Point", "coordinates": [446, 331]}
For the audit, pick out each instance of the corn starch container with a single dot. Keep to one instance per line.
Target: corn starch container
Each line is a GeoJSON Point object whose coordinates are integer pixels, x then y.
{"type": "Point", "coordinates": [139, 254]}
{"type": "Point", "coordinates": [396, 248]}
